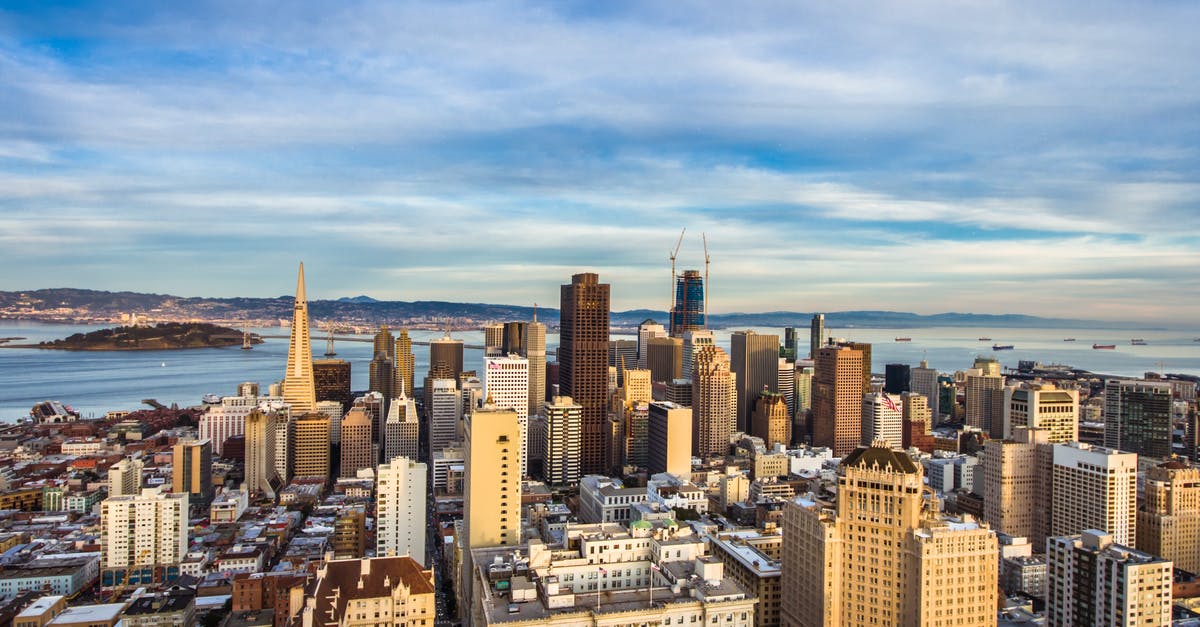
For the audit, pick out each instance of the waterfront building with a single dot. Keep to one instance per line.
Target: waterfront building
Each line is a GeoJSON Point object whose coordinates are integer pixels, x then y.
{"type": "Point", "coordinates": [299, 390]}
{"type": "Point", "coordinates": [583, 361]}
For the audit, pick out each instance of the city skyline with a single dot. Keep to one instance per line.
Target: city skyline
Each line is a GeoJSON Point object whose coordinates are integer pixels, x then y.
{"type": "Point", "coordinates": [985, 158]}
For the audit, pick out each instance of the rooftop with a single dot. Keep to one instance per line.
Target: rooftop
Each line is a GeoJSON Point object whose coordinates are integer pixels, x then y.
{"type": "Point", "coordinates": [89, 614]}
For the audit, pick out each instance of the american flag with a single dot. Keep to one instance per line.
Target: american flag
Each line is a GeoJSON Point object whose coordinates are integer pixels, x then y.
{"type": "Point", "coordinates": [602, 571]}
{"type": "Point", "coordinates": [888, 402]}
{"type": "Point", "coordinates": [655, 568]}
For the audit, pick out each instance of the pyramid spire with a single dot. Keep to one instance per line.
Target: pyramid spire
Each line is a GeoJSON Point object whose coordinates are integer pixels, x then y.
{"type": "Point", "coordinates": [298, 388]}
{"type": "Point", "coordinates": [301, 296]}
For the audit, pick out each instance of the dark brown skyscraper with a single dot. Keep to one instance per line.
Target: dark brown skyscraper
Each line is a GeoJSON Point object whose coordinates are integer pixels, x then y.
{"type": "Point", "coordinates": [448, 352]}
{"type": "Point", "coordinates": [583, 361]}
{"type": "Point", "coordinates": [331, 377]}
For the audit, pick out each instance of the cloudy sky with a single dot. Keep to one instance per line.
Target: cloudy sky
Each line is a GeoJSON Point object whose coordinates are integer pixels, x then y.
{"type": "Point", "coordinates": [1026, 157]}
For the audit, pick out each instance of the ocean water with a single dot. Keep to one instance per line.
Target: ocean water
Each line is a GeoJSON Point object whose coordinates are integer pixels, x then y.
{"type": "Point", "coordinates": [97, 382]}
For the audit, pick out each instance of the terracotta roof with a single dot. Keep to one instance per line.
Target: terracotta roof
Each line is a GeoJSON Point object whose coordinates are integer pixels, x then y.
{"type": "Point", "coordinates": [883, 456]}
{"type": "Point", "coordinates": [1174, 464]}
{"type": "Point", "coordinates": [340, 585]}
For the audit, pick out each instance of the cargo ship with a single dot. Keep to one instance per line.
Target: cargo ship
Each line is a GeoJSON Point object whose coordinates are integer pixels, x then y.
{"type": "Point", "coordinates": [1002, 347]}
{"type": "Point", "coordinates": [1138, 342]}
{"type": "Point", "coordinates": [1104, 347]}
{"type": "Point", "coordinates": [904, 339]}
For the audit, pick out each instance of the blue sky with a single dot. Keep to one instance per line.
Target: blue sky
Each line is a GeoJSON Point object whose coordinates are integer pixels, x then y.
{"type": "Point", "coordinates": [982, 156]}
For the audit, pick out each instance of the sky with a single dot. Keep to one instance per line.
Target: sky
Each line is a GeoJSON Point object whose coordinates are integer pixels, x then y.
{"type": "Point", "coordinates": [972, 156]}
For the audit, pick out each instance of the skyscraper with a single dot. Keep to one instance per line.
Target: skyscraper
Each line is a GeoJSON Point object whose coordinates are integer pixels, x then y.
{"type": "Point", "coordinates": [310, 454]}
{"type": "Point", "coordinates": [865, 349]}
{"type": "Point", "coordinates": [382, 371]}
{"type": "Point", "coordinates": [816, 335]}
{"type": "Point", "coordinates": [402, 431]}
{"type": "Point", "coordinates": [143, 537]}
{"type": "Point", "coordinates": [1094, 488]}
{"type": "Point", "coordinates": [837, 399]}
{"type": "Point", "coordinates": [260, 454]}
{"type": "Point", "coordinates": [357, 450]}
{"type": "Point", "coordinates": [1168, 519]}
{"type": "Point", "coordinates": [492, 484]}
{"type": "Point", "coordinates": [622, 354]}
{"type": "Point", "coordinates": [493, 338]}
{"type": "Point", "coordinates": [924, 381]}
{"type": "Point", "coordinates": [506, 385]}
{"type": "Point", "coordinates": [1018, 484]}
{"type": "Point", "coordinates": [646, 330]}
{"type": "Point", "coordinates": [1094, 580]}
{"type": "Point", "coordinates": [668, 432]}
{"type": "Point", "coordinates": [191, 470]}
{"type": "Point", "coordinates": [583, 361]}
{"type": "Point", "coordinates": [664, 358]}
{"type": "Point", "coordinates": [897, 379]}
{"type": "Point", "coordinates": [985, 399]}
{"type": "Point", "coordinates": [404, 365]}
{"type": "Point", "coordinates": [714, 402]}
{"type": "Point", "coordinates": [884, 554]}
{"type": "Point", "coordinates": [331, 381]}
{"type": "Point", "coordinates": [754, 358]}
{"type": "Point", "coordinates": [400, 515]}
{"type": "Point", "coordinates": [771, 420]}
{"type": "Point", "coordinates": [786, 382]}
{"type": "Point", "coordinates": [446, 351]}
{"type": "Point", "coordinates": [562, 445]}
{"type": "Point", "coordinates": [125, 477]}
{"type": "Point", "coordinates": [688, 312]}
{"type": "Point", "coordinates": [1137, 417]}
{"type": "Point", "coordinates": [533, 348]}
{"type": "Point", "coordinates": [298, 387]}
{"type": "Point", "coordinates": [1044, 406]}
{"type": "Point", "coordinates": [882, 420]}
{"type": "Point", "coordinates": [444, 410]}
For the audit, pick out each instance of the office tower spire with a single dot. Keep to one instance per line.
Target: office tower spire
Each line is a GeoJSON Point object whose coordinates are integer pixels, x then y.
{"type": "Point", "coordinates": [298, 388]}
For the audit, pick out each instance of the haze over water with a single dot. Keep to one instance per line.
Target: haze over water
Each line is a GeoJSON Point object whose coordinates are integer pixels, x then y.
{"type": "Point", "coordinates": [97, 382]}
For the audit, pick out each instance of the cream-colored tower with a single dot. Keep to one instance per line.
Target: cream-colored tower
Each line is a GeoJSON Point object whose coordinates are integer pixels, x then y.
{"type": "Point", "coordinates": [1168, 521]}
{"type": "Point", "coordinates": [1094, 488]}
{"type": "Point", "coordinates": [492, 483]}
{"type": "Point", "coordinates": [1044, 406]}
{"type": "Point", "coordinates": [400, 512]}
{"type": "Point", "coordinates": [125, 477]}
{"type": "Point", "coordinates": [298, 388]}
{"type": "Point", "coordinates": [311, 451]}
{"type": "Point", "coordinates": [404, 365]}
{"type": "Point", "coordinates": [714, 401]}
{"type": "Point", "coordinates": [1017, 483]}
{"type": "Point", "coordinates": [357, 450]}
{"type": "Point", "coordinates": [883, 555]}
{"type": "Point", "coordinates": [142, 533]}
{"type": "Point", "coordinates": [260, 453]}
{"type": "Point", "coordinates": [771, 420]}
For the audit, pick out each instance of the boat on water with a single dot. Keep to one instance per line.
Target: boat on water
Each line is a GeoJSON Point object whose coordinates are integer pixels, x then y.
{"type": "Point", "coordinates": [985, 339]}
{"type": "Point", "coordinates": [904, 339]}
{"type": "Point", "coordinates": [211, 399]}
{"type": "Point", "coordinates": [1068, 339]}
{"type": "Point", "coordinates": [1002, 347]}
{"type": "Point", "coordinates": [1138, 342]}
{"type": "Point", "coordinates": [1104, 347]}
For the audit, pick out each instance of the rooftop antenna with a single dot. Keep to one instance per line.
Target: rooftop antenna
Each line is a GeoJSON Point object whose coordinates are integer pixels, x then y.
{"type": "Point", "coordinates": [671, 314]}
{"type": "Point", "coordinates": [707, 285]}
{"type": "Point", "coordinates": [535, 312]}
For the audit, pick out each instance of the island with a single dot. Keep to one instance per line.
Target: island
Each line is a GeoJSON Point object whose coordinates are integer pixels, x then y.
{"type": "Point", "coordinates": [163, 336]}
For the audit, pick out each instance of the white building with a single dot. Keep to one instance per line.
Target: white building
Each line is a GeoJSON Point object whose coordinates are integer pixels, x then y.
{"type": "Point", "coordinates": [401, 432]}
{"type": "Point", "coordinates": [444, 411]}
{"type": "Point", "coordinates": [1094, 488]}
{"type": "Point", "coordinates": [562, 446]}
{"type": "Point", "coordinates": [125, 477]}
{"type": "Point", "coordinates": [334, 410]}
{"type": "Point", "coordinates": [924, 381]}
{"type": "Point", "coordinates": [1093, 580]}
{"type": "Point", "coordinates": [646, 331]}
{"type": "Point", "coordinates": [605, 499]}
{"type": "Point", "coordinates": [143, 537]}
{"type": "Point", "coordinates": [1043, 406]}
{"type": "Point", "coordinates": [400, 513]}
{"type": "Point", "coordinates": [221, 422]}
{"type": "Point", "coordinates": [882, 419]}
{"type": "Point", "coordinates": [506, 385]}
{"type": "Point", "coordinates": [692, 342]}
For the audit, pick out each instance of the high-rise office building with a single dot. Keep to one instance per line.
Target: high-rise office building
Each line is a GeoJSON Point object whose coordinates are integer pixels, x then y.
{"type": "Point", "coordinates": [446, 351]}
{"type": "Point", "coordinates": [1043, 406]}
{"type": "Point", "coordinates": [400, 513]}
{"type": "Point", "coordinates": [444, 410]}
{"type": "Point", "coordinates": [647, 330]}
{"type": "Point", "coordinates": [837, 399]}
{"type": "Point", "coordinates": [357, 450]}
{"type": "Point", "coordinates": [816, 335]}
{"type": "Point", "coordinates": [381, 376]}
{"type": "Point", "coordinates": [622, 354]}
{"type": "Point", "coordinates": [917, 422]}
{"type": "Point", "coordinates": [402, 431]}
{"type": "Point", "coordinates": [583, 361]}
{"type": "Point", "coordinates": [664, 358]}
{"type": "Point", "coordinates": [1094, 488]}
{"type": "Point", "coordinates": [492, 483]}
{"type": "Point", "coordinates": [688, 311]}
{"type": "Point", "coordinates": [754, 358]}
{"type": "Point", "coordinates": [882, 420]}
{"type": "Point", "coordinates": [924, 381]}
{"type": "Point", "coordinates": [668, 434]}
{"type": "Point", "coordinates": [985, 399]}
{"type": "Point", "coordinates": [693, 342]}
{"type": "Point", "coordinates": [1168, 519]}
{"type": "Point", "coordinates": [637, 417]}
{"type": "Point", "coordinates": [506, 385]}
{"type": "Point", "coordinates": [865, 349]}
{"type": "Point", "coordinates": [376, 407]}
{"type": "Point", "coordinates": [125, 477]}
{"type": "Point", "coordinates": [298, 387]}
{"type": "Point", "coordinates": [331, 380]}
{"type": "Point", "coordinates": [883, 554]}
{"type": "Point", "coordinates": [713, 402]}
{"type": "Point", "coordinates": [563, 440]}
{"type": "Point", "coordinates": [528, 339]}
{"type": "Point", "coordinates": [285, 445]}
{"type": "Point", "coordinates": [1092, 580]}
{"type": "Point", "coordinates": [1018, 483]}
{"type": "Point", "coordinates": [404, 365]}
{"type": "Point", "coordinates": [335, 411]}
{"type": "Point", "coordinates": [143, 537]}
{"type": "Point", "coordinates": [384, 342]}
{"type": "Point", "coordinates": [1137, 417]}
{"type": "Point", "coordinates": [191, 470]}
{"type": "Point", "coordinates": [897, 379]}
{"type": "Point", "coordinates": [771, 420]}
{"type": "Point", "coordinates": [261, 475]}
{"type": "Point", "coordinates": [310, 454]}
{"type": "Point", "coordinates": [789, 344]}
{"type": "Point", "coordinates": [493, 338]}
{"type": "Point", "coordinates": [786, 381]}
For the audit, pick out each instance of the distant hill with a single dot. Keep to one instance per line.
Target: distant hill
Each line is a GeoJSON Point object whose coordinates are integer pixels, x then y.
{"type": "Point", "coordinates": [55, 304]}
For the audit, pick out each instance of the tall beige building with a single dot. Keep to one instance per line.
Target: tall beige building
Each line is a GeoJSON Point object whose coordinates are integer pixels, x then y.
{"type": "Point", "coordinates": [261, 475]}
{"type": "Point", "coordinates": [535, 352]}
{"type": "Point", "coordinates": [771, 420]}
{"type": "Point", "coordinates": [492, 482]}
{"type": "Point", "coordinates": [1093, 580]}
{"type": "Point", "coordinates": [668, 434]}
{"type": "Point", "coordinates": [402, 431]}
{"type": "Point", "coordinates": [714, 402]}
{"type": "Point", "coordinates": [985, 398]}
{"type": "Point", "coordinates": [310, 453]}
{"type": "Point", "coordinates": [1094, 488]}
{"type": "Point", "coordinates": [143, 537]}
{"type": "Point", "coordinates": [837, 391]}
{"type": "Point", "coordinates": [1168, 519]}
{"type": "Point", "coordinates": [125, 477]}
{"type": "Point", "coordinates": [400, 513]}
{"type": "Point", "coordinates": [299, 391]}
{"type": "Point", "coordinates": [357, 450]}
{"type": "Point", "coordinates": [404, 365]}
{"type": "Point", "coordinates": [1017, 485]}
{"type": "Point", "coordinates": [191, 469]}
{"type": "Point", "coordinates": [883, 555]}
{"type": "Point", "coordinates": [1042, 406]}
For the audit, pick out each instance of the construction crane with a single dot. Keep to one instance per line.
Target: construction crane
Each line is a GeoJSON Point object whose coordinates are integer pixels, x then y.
{"type": "Point", "coordinates": [671, 314]}
{"type": "Point", "coordinates": [707, 285]}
